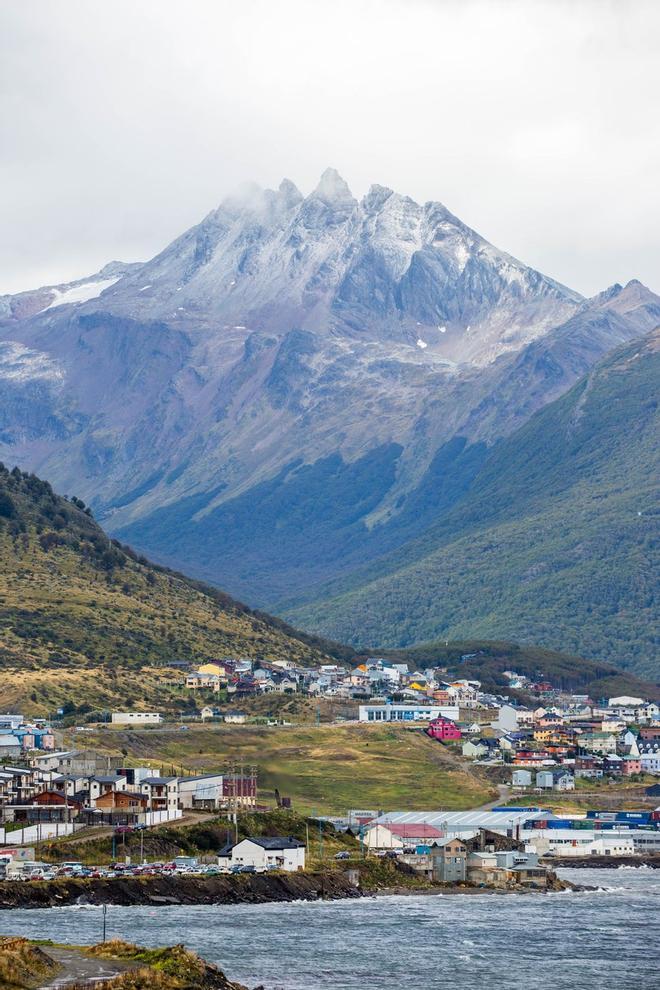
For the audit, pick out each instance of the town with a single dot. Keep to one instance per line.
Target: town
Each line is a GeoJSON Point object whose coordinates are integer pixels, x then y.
{"type": "Point", "coordinates": [535, 750]}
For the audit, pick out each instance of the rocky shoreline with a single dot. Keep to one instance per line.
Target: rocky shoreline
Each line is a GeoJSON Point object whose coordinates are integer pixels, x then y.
{"type": "Point", "coordinates": [603, 862]}
{"type": "Point", "coordinates": [171, 890]}
{"type": "Point", "coordinates": [237, 889]}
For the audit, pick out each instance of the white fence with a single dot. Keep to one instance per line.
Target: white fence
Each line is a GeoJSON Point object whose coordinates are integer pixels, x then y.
{"type": "Point", "coordinates": [150, 818]}
{"type": "Point", "coordinates": [35, 833]}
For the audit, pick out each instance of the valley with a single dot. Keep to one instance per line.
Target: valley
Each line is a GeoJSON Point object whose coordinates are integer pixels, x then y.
{"type": "Point", "coordinates": [332, 408]}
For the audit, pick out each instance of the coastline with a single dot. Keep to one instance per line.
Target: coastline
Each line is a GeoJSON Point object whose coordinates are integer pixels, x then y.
{"type": "Point", "coordinates": [602, 862]}
{"type": "Point", "coordinates": [239, 889]}
{"type": "Point", "coordinates": [178, 890]}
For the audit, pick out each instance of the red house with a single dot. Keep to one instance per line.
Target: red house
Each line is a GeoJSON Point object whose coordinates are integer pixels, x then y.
{"type": "Point", "coordinates": [443, 729]}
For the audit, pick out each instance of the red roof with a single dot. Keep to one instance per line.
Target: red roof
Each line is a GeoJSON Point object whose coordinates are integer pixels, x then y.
{"type": "Point", "coordinates": [421, 831]}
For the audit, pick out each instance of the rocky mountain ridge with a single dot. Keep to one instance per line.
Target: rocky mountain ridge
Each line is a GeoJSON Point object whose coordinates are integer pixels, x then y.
{"type": "Point", "coordinates": [295, 386]}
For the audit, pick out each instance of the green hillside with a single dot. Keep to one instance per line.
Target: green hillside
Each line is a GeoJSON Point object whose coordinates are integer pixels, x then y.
{"type": "Point", "coordinates": [487, 660]}
{"type": "Point", "coordinates": [555, 542]}
{"type": "Point", "coordinates": [85, 622]}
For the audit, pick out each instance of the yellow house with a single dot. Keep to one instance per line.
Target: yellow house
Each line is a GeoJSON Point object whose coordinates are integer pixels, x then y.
{"type": "Point", "coordinates": [212, 668]}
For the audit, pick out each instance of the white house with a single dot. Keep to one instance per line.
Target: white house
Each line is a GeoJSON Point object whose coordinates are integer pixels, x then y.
{"type": "Point", "coordinates": [237, 718]}
{"type": "Point", "coordinates": [163, 793]}
{"type": "Point", "coordinates": [555, 780]}
{"type": "Point", "coordinates": [136, 718]}
{"type": "Point", "coordinates": [406, 713]}
{"type": "Point", "coordinates": [578, 842]}
{"type": "Point", "coordinates": [507, 719]}
{"type": "Point", "coordinates": [265, 852]}
{"type": "Point", "coordinates": [650, 762]}
{"type": "Point", "coordinates": [395, 835]}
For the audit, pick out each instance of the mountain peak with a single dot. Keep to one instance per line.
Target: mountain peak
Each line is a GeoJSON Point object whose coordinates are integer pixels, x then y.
{"type": "Point", "coordinates": [376, 196]}
{"type": "Point", "coordinates": [333, 189]}
{"type": "Point", "coordinates": [289, 191]}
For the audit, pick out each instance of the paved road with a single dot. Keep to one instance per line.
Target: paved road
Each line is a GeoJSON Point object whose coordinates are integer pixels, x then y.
{"type": "Point", "coordinates": [79, 968]}
{"type": "Point", "coordinates": [503, 792]}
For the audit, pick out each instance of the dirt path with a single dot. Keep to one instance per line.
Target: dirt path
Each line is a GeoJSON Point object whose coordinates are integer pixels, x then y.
{"type": "Point", "coordinates": [76, 967]}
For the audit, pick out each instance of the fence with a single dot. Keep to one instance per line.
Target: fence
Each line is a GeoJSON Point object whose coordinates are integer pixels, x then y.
{"type": "Point", "coordinates": [37, 832]}
{"type": "Point", "coordinates": [150, 818]}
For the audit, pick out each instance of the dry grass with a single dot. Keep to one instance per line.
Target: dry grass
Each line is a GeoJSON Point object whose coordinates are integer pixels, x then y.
{"type": "Point", "coordinates": [70, 632]}
{"type": "Point", "coordinates": [23, 965]}
{"type": "Point", "coordinates": [324, 768]}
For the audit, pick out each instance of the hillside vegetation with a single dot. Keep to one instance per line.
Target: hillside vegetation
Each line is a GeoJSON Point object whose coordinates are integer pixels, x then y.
{"type": "Point", "coordinates": [554, 543]}
{"type": "Point", "coordinates": [486, 661]}
{"type": "Point", "coordinates": [83, 620]}
{"type": "Point", "coordinates": [326, 768]}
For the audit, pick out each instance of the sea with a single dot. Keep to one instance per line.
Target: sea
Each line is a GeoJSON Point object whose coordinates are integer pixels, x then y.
{"type": "Point", "coordinates": [609, 937]}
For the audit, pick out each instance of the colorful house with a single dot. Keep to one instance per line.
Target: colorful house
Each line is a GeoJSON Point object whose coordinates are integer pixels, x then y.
{"type": "Point", "coordinates": [443, 729]}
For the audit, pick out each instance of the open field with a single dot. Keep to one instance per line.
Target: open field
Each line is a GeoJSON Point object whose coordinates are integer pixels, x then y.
{"type": "Point", "coordinates": [610, 795]}
{"type": "Point", "coordinates": [324, 768]}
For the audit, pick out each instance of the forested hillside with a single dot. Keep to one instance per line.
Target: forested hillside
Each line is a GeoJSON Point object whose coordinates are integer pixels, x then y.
{"type": "Point", "coordinates": [555, 543]}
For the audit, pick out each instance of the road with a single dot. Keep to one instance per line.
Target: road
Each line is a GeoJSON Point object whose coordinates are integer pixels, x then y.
{"type": "Point", "coordinates": [77, 968]}
{"type": "Point", "coordinates": [95, 833]}
{"type": "Point", "coordinates": [502, 798]}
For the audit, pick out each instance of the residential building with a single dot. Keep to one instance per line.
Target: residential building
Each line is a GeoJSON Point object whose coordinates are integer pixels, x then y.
{"type": "Point", "coordinates": [650, 762]}
{"type": "Point", "coordinates": [555, 780]}
{"type": "Point", "coordinates": [400, 835]}
{"type": "Point", "coordinates": [406, 713]}
{"type": "Point", "coordinates": [127, 801]}
{"type": "Point", "coordinates": [521, 778]}
{"type": "Point", "coordinates": [136, 718]}
{"type": "Point", "coordinates": [443, 729]}
{"type": "Point", "coordinates": [265, 852]}
{"type": "Point", "coordinates": [162, 792]}
{"type": "Point", "coordinates": [449, 860]}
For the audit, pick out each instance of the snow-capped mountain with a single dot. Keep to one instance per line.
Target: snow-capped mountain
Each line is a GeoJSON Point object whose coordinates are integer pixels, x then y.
{"type": "Point", "coordinates": [385, 267]}
{"type": "Point", "coordinates": [264, 402]}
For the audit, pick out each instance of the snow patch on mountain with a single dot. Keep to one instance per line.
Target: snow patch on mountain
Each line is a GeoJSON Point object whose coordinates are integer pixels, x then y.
{"type": "Point", "coordinates": [80, 293]}
{"type": "Point", "coordinates": [22, 364]}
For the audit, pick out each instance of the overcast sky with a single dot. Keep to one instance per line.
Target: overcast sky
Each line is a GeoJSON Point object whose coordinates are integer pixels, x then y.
{"type": "Point", "coordinates": [125, 121]}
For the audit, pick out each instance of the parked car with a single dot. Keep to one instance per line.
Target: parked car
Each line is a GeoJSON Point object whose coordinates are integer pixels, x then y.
{"type": "Point", "coordinates": [344, 854]}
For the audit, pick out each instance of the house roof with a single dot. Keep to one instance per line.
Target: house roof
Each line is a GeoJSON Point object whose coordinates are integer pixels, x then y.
{"type": "Point", "coordinates": [414, 831]}
{"type": "Point", "coordinates": [277, 842]}
{"type": "Point", "coordinates": [448, 838]}
{"type": "Point", "coordinates": [157, 780]}
{"type": "Point", "coordinates": [266, 842]}
{"type": "Point", "coordinates": [203, 776]}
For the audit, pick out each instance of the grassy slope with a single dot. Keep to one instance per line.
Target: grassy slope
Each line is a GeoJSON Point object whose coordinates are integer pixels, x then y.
{"type": "Point", "coordinates": [555, 543]}
{"type": "Point", "coordinates": [82, 619]}
{"type": "Point", "coordinates": [325, 768]}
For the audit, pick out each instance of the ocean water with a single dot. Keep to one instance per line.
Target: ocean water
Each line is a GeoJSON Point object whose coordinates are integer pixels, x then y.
{"type": "Point", "coordinates": [567, 941]}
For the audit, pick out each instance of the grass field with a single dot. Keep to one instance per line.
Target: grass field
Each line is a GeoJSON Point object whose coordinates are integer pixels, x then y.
{"type": "Point", "coordinates": [607, 795]}
{"type": "Point", "coordinates": [325, 768]}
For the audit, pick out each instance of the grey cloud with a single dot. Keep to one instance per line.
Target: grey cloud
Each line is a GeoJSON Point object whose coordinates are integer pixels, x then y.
{"type": "Point", "coordinates": [123, 123]}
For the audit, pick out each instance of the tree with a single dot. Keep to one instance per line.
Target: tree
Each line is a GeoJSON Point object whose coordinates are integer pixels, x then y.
{"type": "Point", "coordinates": [7, 506]}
